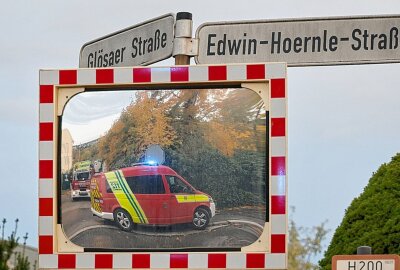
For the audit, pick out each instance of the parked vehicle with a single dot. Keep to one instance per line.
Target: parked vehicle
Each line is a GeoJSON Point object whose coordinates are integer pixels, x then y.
{"type": "Point", "coordinates": [149, 194]}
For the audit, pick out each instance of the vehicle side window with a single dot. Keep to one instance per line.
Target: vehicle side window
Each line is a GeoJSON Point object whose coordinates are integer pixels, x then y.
{"type": "Point", "coordinates": [176, 185]}
{"type": "Point", "coordinates": [146, 184]}
{"type": "Point", "coordinates": [108, 188]}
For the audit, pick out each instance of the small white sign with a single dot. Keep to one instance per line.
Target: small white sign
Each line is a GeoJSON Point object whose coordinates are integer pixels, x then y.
{"type": "Point", "coordinates": [366, 262]}
{"type": "Point", "coordinates": [141, 44]}
{"type": "Point", "coordinates": [365, 265]}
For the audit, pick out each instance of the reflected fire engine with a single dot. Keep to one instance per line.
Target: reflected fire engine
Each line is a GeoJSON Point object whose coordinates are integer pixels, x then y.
{"type": "Point", "coordinates": [80, 184]}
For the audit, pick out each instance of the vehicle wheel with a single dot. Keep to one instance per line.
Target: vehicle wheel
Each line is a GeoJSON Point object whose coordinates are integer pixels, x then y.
{"type": "Point", "coordinates": [201, 218]}
{"type": "Point", "coordinates": [123, 220]}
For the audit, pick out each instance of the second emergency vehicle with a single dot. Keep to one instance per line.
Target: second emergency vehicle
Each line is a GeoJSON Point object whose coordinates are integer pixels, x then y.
{"type": "Point", "coordinates": [80, 184]}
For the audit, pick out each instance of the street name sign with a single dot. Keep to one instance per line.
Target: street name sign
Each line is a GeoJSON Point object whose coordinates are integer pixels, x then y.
{"type": "Point", "coordinates": [141, 44]}
{"type": "Point", "coordinates": [302, 42]}
{"type": "Point", "coordinates": [366, 262]}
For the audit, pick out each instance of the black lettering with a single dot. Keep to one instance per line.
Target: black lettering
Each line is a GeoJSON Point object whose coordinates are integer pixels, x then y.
{"type": "Point", "coordinates": [157, 40]}
{"type": "Point", "coordinates": [134, 47]}
{"type": "Point", "coordinates": [221, 45]}
{"type": "Point", "coordinates": [100, 61]}
{"type": "Point", "coordinates": [252, 45]}
{"type": "Point", "coordinates": [382, 44]}
{"type": "Point", "coordinates": [163, 40]}
{"type": "Point", "coordinates": [351, 266]}
{"type": "Point", "coordinates": [111, 61]}
{"type": "Point", "coordinates": [370, 263]}
{"type": "Point", "coordinates": [325, 41]}
{"type": "Point", "coordinates": [394, 38]}
{"type": "Point", "coordinates": [234, 46]}
{"type": "Point", "coordinates": [140, 46]}
{"type": "Point", "coordinates": [276, 43]}
{"type": "Point", "coordinates": [95, 59]}
{"type": "Point", "coordinates": [117, 55]}
{"type": "Point", "coordinates": [354, 35]}
{"type": "Point", "coordinates": [363, 265]}
{"type": "Point", "coordinates": [297, 45]}
{"type": "Point", "coordinates": [379, 265]}
{"type": "Point", "coordinates": [105, 64]}
{"type": "Point", "coordinates": [90, 60]}
{"type": "Point", "coordinates": [373, 36]}
{"type": "Point", "coordinates": [314, 41]}
{"type": "Point", "coordinates": [333, 42]}
{"type": "Point", "coordinates": [210, 44]}
{"type": "Point", "coordinates": [306, 40]}
{"type": "Point", "coordinates": [244, 44]}
{"type": "Point", "coordinates": [144, 46]}
{"type": "Point", "coordinates": [150, 45]}
{"type": "Point", "coordinates": [122, 54]}
{"type": "Point", "coordinates": [287, 45]}
{"type": "Point", "coordinates": [365, 36]}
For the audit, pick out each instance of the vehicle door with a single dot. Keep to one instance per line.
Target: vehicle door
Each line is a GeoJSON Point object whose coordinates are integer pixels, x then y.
{"type": "Point", "coordinates": [150, 193]}
{"type": "Point", "coordinates": [182, 199]}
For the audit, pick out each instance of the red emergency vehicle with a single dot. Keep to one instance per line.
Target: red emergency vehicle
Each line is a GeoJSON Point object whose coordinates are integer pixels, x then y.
{"type": "Point", "coordinates": [149, 194]}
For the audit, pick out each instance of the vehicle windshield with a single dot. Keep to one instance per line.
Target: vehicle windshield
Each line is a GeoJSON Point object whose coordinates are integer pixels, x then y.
{"type": "Point", "coordinates": [82, 176]}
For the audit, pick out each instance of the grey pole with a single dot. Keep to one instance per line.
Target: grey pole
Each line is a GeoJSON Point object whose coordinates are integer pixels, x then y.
{"type": "Point", "coordinates": [364, 250]}
{"type": "Point", "coordinates": [183, 31]}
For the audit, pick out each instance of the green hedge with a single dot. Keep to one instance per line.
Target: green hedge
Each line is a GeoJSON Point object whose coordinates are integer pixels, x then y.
{"type": "Point", "coordinates": [231, 181]}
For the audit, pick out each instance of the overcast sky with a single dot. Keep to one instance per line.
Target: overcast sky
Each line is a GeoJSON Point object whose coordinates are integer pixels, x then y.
{"type": "Point", "coordinates": [343, 120]}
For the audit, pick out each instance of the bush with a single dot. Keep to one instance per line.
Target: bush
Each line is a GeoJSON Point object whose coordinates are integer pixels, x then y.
{"type": "Point", "coordinates": [231, 181]}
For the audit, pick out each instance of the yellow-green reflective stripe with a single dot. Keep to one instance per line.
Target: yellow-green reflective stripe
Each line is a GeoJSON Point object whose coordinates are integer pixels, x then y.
{"type": "Point", "coordinates": [191, 198]}
{"type": "Point", "coordinates": [131, 196]}
{"type": "Point", "coordinates": [125, 198]}
{"type": "Point", "coordinates": [121, 195]}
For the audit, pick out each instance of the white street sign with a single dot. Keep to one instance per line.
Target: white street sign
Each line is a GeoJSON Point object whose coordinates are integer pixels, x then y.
{"type": "Point", "coordinates": [302, 42]}
{"type": "Point", "coordinates": [141, 44]}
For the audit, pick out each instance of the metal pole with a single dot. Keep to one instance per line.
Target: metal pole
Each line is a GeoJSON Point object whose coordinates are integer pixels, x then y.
{"type": "Point", "coordinates": [364, 250]}
{"type": "Point", "coordinates": [183, 29]}
{"type": "Point", "coordinates": [182, 59]}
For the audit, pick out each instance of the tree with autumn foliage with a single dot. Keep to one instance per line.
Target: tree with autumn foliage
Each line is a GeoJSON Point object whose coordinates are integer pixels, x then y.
{"type": "Point", "coordinates": [216, 149]}
{"type": "Point", "coordinates": [240, 123]}
{"type": "Point", "coordinates": [141, 124]}
{"type": "Point", "coordinates": [215, 138]}
{"type": "Point", "coordinates": [304, 245]}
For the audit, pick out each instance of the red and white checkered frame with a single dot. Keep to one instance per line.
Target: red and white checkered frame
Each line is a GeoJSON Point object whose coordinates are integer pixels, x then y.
{"type": "Point", "coordinates": [52, 80]}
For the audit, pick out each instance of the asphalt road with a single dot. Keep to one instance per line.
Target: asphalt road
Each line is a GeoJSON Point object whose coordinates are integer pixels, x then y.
{"type": "Point", "coordinates": [229, 228]}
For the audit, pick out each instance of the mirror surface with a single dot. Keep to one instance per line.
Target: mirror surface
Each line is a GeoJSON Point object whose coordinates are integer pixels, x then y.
{"type": "Point", "coordinates": [164, 169]}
